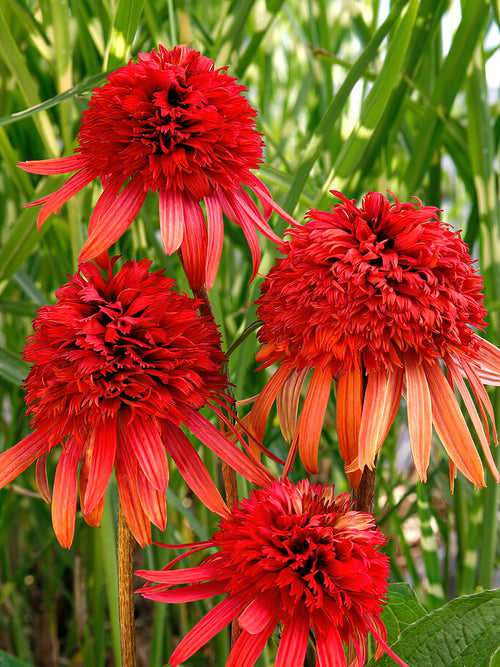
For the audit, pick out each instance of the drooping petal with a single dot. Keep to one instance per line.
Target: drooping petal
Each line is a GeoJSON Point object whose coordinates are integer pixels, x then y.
{"type": "Point", "coordinates": [16, 459]}
{"type": "Point", "coordinates": [185, 575]}
{"type": "Point", "coordinates": [216, 619]}
{"type": "Point", "coordinates": [153, 502]}
{"type": "Point", "coordinates": [59, 165]}
{"type": "Point", "coordinates": [450, 425]}
{"type": "Point", "coordinates": [144, 440]}
{"type": "Point", "coordinates": [240, 218]}
{"type": "Point", "coordinates": [312, 417]}
{"type": "Point", "coordinates": [246, 207]}
{"type": "Point", "coordinates": [381, 641]}
{"type": "Point", "coordinates": [52, 203]}
{"type": "Point", "coordinates": [186, 593]}
{"type": "Point", "coordinates": [94, 518]}
{"type": "Point", "coordinates": [171, 219]}
{"type": "Point", "coordinates": [330, 649]}
{"type": "Point", "coordinates": [481, 397]}
{"type": "Point", "coordinates": [471, 409]}
{"type": "Point", "coordinates": [293, 642]}
{"type": "Point", "coordinates": [101, 459]}
{"type": "Point", "coordinates": [65, 492]}
{"type": "Point", "coordinates": [380, 406]}
{"type": "Point", "coordinates": [214, 440]}
{"type": "Point", "coordinates": [287, 402]}
{"type": "Point", "coordinates": [419, 412]}
{"type": "Point", "coordinates": [267, 201]}
{"type": "Point", "coordinates": [193, 250]}
{"type": "Point", "coordinates": [248, 648]}
{"type": "Point", "coordinates": [349, 409]}
{"type": "Point", "coordinates": [193, 469]}
{"type": "Point", "coordinates": [260, 612]}
{"type": "Point", "coordinates": [41, 478]}
{"type": "Point", "coordinates": [489, 360]}
{"type": "Point", "coordinates": [215, 237]}
{"type": "Point", "coordinates": [114, 220]}
{"type": "Point", "coordinates": [126, 474]}
{"type": "Point", "coordinates": [260, 411]}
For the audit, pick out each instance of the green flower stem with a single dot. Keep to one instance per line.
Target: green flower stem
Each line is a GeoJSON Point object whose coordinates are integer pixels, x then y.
{"type": "Point", "coordinates": [126, 591]}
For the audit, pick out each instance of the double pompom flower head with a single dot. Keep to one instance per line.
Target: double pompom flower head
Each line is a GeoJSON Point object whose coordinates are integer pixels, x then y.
{"type": "Point", "coordinates": [377, 298]}
{"type": "Point", "coordinates": [173, 124]}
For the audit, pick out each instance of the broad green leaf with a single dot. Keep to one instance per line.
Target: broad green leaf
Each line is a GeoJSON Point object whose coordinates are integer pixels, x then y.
{"type": "Point", "coordinates": [7, 660]}
{"type": "Point", "coordinates": [402, 609]}
{"type": "Point", "coordinates": [463, 633]}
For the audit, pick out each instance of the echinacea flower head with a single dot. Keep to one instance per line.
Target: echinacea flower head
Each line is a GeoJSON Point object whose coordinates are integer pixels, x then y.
{"type": "Point", "coordinates": [290, 554]}
{"type": "Point", "coordinates": [120, 363]}
{"type": "Point", "coordinates": [173, 124]}
{"type": "Point", "coordinates": [382, 298]}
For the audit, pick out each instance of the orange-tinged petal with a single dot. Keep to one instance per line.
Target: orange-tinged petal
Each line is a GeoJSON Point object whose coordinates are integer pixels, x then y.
{"type": "Point", "coordinates": [380, 406]}
{"type": "Point", "coordinates": [481, 395]}
{"type": "Point", "coordinates": [349, 409]}
{"type": "Point", "coordinates": [287, 402]}
{"type": "Point", "coordinates": [419, 412]}
{"type": "Point", "coordinates": [171, 219]}
{"type": "Point", "coordinates": [450, 425]}
{"type": "Point", "coordinates": [260, 411]}
{"type": "Point", "coordinates": [126, 475]}
{"type": "Point", "coordinates": [16, 459]}
{"type": "Point", "coordinates": [239, 216]}
{"type": "Point", "coordinates": [471, 409]}
{"type": "Point", "coordinates": [94, 518]}
{"type": "Point", "coordinates": [489, 362]}
{"type": "Point", "coordinates": [41, 478]}
{"type": "Point", "coordinates": [65, 492]}
{"type": "Point", "coordinates": [59, 165]}
{"type": "Point", "coordinates": [192, 469]}
{"type": "Point", "coordinates": [311, 419]}
{"type": "Point", "coordinates": [113, 220]}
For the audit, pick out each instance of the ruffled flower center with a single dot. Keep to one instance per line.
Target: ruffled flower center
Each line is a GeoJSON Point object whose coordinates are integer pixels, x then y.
{"type": "Point", "coordinates": [366, 284]}
{"type": "Point", "coordinates": [175, 122]}
{"type": "Point", "coordinates": [128, 342]}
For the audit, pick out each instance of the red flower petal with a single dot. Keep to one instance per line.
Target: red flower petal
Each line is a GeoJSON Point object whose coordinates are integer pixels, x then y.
{"type": "Point", "coordinates": [192, 469]}
{"type": "Point", "coordinates": [293, 643]}
{"type": "Point", "coordinates": [419, 413]}
{"type": "Point", "coordinates": [65, 492]}
{"type": "Point", "coordinates": [215, 232]}
{"type": "Point", "coordinates": [171, 219]}
{"type": "Point", "coordinates": [101, 446]}
{"type": "Point", "coordinates": [60, 165]}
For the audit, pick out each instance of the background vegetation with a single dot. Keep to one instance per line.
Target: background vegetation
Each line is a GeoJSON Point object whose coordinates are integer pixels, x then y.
{"type": "Point", "coordinates": [354, 95]}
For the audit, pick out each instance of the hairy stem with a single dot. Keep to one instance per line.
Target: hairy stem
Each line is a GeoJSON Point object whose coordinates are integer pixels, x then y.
{"type": "Point", "coordinates": [126, 591]}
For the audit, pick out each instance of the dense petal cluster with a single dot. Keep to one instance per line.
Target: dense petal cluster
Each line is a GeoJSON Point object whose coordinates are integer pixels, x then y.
{"type": "Point", "coordinates": [169, 123]}
{"type": "Point", "coordinates": [290, 554]}
{"type": "Point", "coordinates": [376, 297]}
{"type": "Point", "coordinates": [120, 362]}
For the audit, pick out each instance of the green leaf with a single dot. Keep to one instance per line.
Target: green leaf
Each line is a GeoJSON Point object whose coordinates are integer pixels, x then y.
{"type": "Point", "coordinates": [7, 660]}
{"type": "Point", "coordinates": [402, 609]}
{"type": "Point", "coordinates": [128, 14]}
{"type": "Point", "coordinates": [463, 633]}
{"type": "Point", "coordinates": [12, 369]}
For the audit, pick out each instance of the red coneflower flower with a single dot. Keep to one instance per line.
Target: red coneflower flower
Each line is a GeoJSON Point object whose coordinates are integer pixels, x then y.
{"type": "Point", "coordinates": [379, 297]}
{"type": "Point", "coordinates": [120, 362]}
{"type": "Point", "coordinates": [169, 123]}
{"type": "Point", "coordinates": [295, 555]}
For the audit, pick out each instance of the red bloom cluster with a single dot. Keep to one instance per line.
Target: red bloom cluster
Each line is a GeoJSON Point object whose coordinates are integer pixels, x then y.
{"type": "Point", "coordinates": [375, 296]}
{"type": "Point", "coordinates": [290, 554]}
{"type": "Point", "coordinates": [120, 362]}
{"type": "Point", "coordinates": [169, 123]}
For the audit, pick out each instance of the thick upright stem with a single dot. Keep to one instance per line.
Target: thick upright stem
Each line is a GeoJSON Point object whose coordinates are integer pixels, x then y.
{"type": "Point", "coordinates": [126, 591]}
{"type": "Point", "coordinates": [364, 495]}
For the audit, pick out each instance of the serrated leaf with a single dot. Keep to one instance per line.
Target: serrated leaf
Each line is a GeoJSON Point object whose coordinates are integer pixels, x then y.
{"type": "Point", "coordinates": [402, 609]}
{"type": "Point", "coordinates": [462, 633]}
